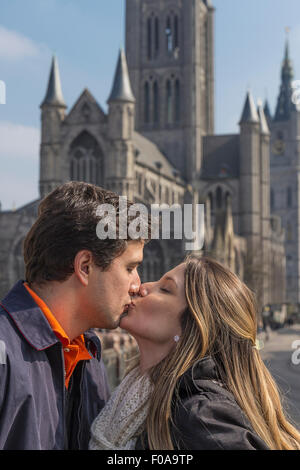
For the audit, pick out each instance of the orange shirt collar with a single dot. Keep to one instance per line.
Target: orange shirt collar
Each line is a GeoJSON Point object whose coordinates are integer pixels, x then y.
{"type": "Point", "coordinates": [74, 351]}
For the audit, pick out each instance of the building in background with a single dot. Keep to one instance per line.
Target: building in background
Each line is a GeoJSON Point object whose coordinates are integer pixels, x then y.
{"type": "Point", "coordinates": [156, 144]}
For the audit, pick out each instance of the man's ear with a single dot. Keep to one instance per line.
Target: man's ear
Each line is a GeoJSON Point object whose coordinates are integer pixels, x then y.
{"type": "Point", "coordinates": [82, 266]}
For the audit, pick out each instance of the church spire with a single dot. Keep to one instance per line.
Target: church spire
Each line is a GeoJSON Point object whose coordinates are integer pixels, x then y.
{"type": "Point", "coordinates": [121, 89]}
{"type": "Point", "coordinates": [268, 114]}
{"type": "Point", "coordinates": [54, 94]}
{"type": "Point", "coordinates": [264, 128]}
{"type": "Point", "coordinates": [249, 114]}
{"type": "Point", "coordinates": [284, 103]}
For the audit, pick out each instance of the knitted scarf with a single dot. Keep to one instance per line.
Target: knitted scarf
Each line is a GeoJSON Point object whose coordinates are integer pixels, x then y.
{"type": "Point", "coordinates": [123, 417]}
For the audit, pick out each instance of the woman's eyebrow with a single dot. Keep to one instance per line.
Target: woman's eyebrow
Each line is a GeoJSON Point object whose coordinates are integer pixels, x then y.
{"type": "Point", "coordinates": [169, 278]}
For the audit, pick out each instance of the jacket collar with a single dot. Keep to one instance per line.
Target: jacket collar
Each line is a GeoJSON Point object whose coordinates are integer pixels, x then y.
{"type": "Point", "coordinates": [32, 324]}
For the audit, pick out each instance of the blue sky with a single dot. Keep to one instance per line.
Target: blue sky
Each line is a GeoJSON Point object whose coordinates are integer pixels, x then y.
{"type": "Point", "coordinates": [86, 36]}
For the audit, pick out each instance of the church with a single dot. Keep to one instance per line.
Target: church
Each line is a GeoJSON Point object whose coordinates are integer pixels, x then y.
{"type": "Point", "coordinates": [156, 144]}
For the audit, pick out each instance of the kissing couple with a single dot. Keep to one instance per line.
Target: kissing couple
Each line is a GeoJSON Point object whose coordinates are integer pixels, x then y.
{"type": "Point", "coordinates": [198, 383]}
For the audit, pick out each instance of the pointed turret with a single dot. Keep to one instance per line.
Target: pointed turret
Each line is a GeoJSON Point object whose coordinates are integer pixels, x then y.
{"type": "Point", "coordinates": [53, 110]}
{"type": "Point", "coordinates": [268, 114]}
{"type": "Point", "coordinates": [54, 96]}
{"type": "Point", "coordinates": [264, 128]}
{"type": "Point", "coordinates": [249, 114]}
{"type": "Point", "coordinates": [284, 103]}
{"type": "Point", "coordinates": [121, 89]}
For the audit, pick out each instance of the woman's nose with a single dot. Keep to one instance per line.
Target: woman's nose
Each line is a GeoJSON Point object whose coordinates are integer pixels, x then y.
{"type": "Point", "coordinates": [145, 289]}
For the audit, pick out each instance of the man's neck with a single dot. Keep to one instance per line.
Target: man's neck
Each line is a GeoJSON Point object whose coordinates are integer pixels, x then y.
{"type": "Point", "coordinates": [60, 299]}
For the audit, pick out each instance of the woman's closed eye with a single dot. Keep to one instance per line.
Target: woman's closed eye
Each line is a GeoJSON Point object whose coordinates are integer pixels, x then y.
{"type": "Point", "coordinates": [164, 290]}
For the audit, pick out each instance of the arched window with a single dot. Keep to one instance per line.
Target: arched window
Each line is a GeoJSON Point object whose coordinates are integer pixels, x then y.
{"type": "Point", "coordinates": [149, 38]}
{"type": "Point", "coordinates": [211, 201]}
{"type": "Point", "coordinates": [155, 103]}
{"type": "Point", "coordinates": [272, 199]}
{"type": "Point", "coordinates": [86, 162]}
{"type": "Point", "coordinates": [169, 35]}
{"type": "Point", "coordinates": [177, 101]}
{"type": "Point", "coordinates": [169, 104]}
{"type": "Point", "coordinates": [156, 36]}
{"type": "Point", "coordinates": [176, 32]}
{"type": "Point", "coordinates": [219, 197]}
{"type": "Point", "coordinates": [146, 103]}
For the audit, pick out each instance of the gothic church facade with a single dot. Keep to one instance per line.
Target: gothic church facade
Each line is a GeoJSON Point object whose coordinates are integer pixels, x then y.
{"type": "Point", "coordinates": [156, 144]}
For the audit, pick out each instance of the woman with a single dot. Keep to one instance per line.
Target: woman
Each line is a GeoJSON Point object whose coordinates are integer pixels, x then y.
{"type": "Point", "coordinates": [200, 382]}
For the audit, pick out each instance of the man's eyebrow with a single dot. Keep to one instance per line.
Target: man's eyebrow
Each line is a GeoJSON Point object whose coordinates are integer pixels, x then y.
{"type": "Point", "coordinates": [134, 263]}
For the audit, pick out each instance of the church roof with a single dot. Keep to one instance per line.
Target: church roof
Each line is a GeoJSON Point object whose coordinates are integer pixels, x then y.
{"type": "Point", "coordinates": [121, 89]}
{"type": "Point", "coordinates": [54, 94]}
{"type": "Point", "coordinates": [249, 112]}
{"type": "Point", "coordinates": [220, 156]}
{"type": "Point", "coordinates": [149, 155]}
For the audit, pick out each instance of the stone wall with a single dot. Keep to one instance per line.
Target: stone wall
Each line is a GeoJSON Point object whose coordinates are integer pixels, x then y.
{"type": "Point", "coordinates": [118, 349]}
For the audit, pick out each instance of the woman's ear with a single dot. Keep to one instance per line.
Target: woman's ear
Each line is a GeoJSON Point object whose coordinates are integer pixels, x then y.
{"type": "Point", "coordinates": [82, 266]}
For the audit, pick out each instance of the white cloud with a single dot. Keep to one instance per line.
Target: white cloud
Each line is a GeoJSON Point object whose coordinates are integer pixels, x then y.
{"type": "Point", "coordinates": [14, 45]}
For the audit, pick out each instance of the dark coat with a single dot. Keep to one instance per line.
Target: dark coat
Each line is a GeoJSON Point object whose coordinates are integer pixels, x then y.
{"type": "Point", "coordinates": [207, 416]}
{"type": "Point", "coordinates": [36, 411]}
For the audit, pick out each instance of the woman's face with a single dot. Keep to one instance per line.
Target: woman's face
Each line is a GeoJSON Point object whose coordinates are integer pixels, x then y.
{"type": "Point", "coordinates": [155, 315]}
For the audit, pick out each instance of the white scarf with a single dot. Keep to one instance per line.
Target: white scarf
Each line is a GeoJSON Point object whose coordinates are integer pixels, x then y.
{"type": "Point", "coordinates": [123, 417]}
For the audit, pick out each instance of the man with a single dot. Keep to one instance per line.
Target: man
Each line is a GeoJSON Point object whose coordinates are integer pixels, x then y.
{"type": "Point", "coordinates": [52, 380]}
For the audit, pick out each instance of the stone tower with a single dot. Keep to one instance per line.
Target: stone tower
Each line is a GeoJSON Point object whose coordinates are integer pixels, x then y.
{"type": "Point", "coordinates": [53, 114]}
{"type": "Point", "coordinates": [121, 118]}
{"type": "Point", "coordinates": [285, 174]}
{"type": "Point", "coordinates": [250, 195]}
{"type": "Point", "coordinates": [170, 54]}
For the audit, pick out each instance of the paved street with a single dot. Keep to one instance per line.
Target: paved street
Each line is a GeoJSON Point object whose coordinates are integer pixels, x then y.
{"type": "Point", "coordinates": [277, 355]}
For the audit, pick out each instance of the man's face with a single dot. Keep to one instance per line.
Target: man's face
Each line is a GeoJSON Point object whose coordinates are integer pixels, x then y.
{"type": "Point", "coordinates": [109, 291]}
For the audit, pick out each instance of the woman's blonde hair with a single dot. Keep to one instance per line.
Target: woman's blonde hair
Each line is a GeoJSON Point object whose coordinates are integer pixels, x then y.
{"type": "Point", "coordinates": [221, 322]}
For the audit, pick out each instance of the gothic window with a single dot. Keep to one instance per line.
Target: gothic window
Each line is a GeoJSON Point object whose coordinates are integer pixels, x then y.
{"type": "Point", "coordinates": [219, 196]}
{"type": "Point", "coordinates": [149, 38]}
{"type": "Point", "coordinates": [176, 38]}
{"type": "Point", "coordinates": [211, 200]}
{"type": "Point", "coordinates": [172, 35]}
{"type": "Point", "coordinates": [86, 162]}
{"type": "Point", "coordinates": [169, 36]}
{"type": "Point", "coordinates": [155, 103]}
{"type": "Point", "coordinates": [169, 104]}
{"type": "Point", "coordinates": [289, 198]}
{"type": "Point", "coordinates": [177, 101]}
{"type": "Point", "coordinates": [272, 199]}
{"type": "Point", "coordinates": [167, 196]}
{"type": "Point", "coordinates": [156, 36]}
{"type": "Point", "coordinates": [146, 103]}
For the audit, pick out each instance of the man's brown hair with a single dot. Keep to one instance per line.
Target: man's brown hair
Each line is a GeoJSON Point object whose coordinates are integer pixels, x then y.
{"type": "Point", "coordinates": [66, 224]}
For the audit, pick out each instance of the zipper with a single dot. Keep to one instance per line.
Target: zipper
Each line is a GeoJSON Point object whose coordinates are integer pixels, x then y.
{"type": "Point", "coordinates": [80, 404]}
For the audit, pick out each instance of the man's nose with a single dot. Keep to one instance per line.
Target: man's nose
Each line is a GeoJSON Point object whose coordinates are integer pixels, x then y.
{"type": "Point", "coordinates": [135, 285]}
